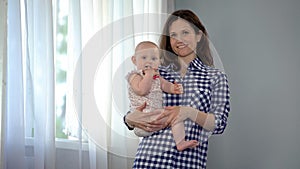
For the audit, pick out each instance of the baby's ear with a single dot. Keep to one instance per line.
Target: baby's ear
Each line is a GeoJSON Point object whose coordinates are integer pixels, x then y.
{"type": "Point", "coordinates": [133, 59]}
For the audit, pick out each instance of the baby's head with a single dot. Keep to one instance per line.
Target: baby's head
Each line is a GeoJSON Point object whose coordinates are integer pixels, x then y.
{"type": "Point", "coordinates": [146, 55]}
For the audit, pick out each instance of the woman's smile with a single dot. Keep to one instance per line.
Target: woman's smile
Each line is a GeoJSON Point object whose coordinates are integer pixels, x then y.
{"type": "Point", "coordinates": [181, 45]}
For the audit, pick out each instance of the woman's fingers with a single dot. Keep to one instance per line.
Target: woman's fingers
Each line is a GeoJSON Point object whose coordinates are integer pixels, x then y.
{"type": "Point", "coordinates": [164, 113]}
{"type": "Point", "coordinates": [150, 126]}
{"type": "Point", "coordinates": [153, 127]}
{"type": "Point", "coordinates": [147, 122]}
{"type": "Point", "coordinates": [168, 115]}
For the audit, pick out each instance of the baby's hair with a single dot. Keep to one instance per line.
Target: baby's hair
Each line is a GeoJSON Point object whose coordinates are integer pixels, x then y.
{"type": "Point", "coordinates": [145, 42]}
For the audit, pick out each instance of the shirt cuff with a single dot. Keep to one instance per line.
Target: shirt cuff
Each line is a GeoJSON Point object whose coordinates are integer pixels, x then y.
{"type": "Point", "coordinates": [127, 125]}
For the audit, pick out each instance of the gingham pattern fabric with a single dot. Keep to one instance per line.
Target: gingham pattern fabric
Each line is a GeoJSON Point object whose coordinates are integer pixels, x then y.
{"type": "Point", "coordinates": [206, 89]}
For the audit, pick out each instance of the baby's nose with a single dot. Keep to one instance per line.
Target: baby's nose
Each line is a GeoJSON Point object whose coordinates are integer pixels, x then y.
{"type": "Point", "coordinates": [148, 65]}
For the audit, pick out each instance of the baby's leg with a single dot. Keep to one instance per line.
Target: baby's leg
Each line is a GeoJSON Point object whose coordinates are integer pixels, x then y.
{"type": "Point", "coordinates": [179, 137]}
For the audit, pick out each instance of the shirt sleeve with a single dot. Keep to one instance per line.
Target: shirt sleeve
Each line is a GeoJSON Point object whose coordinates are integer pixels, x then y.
{"type": "Point", "coordinates": [220, 103]}
{"type": "Point", "coordinates": [127, 125]}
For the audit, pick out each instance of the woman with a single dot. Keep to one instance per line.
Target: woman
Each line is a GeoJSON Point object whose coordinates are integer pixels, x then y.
{"type": "Point", "coordinates": [204, 105]}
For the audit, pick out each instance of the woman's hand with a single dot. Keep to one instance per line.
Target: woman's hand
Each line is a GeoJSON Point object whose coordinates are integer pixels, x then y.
{"type": "Point", "coordinates": [175, 114]}
{"type": "Point", "coordinates": [170, 114]}
{"type": "Point", "coordinates": [145, 121]}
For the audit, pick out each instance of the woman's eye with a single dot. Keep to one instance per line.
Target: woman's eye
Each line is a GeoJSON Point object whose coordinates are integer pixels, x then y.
{"type": "Point", "coordinates": [143, 57]}
{"type": "Point", "coordinates": [185, 32]}
{"type": "Point", "coordinates": [172, 35]}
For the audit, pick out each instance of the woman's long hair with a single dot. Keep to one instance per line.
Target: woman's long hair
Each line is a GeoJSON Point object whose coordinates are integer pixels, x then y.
{"type": "Point", "coordinates": [202, 49]}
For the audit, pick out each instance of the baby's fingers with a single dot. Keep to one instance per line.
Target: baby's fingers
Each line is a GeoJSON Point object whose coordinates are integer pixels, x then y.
{"type": "Point", "coordinates": [178, 87]}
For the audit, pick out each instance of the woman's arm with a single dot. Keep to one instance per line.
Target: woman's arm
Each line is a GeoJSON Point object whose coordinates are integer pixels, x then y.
{"type": "Point", "coordinates": [177, 114]}
{"type": "Point", "coordinates": [215, 120]}
{"type": "Point", "coordinates": [143, 120]}
{"type": "Point", "coordinates": [220, 103]}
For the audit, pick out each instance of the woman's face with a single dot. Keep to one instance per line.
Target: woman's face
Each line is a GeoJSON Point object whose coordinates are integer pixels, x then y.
{"type": "Point", "coordinates": [183, 38]}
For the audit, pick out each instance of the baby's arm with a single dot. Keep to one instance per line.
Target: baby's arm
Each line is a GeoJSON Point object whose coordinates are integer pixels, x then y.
{"type": "Point", "coordinates": [141, 85]}
{"type": "Point", "coordinates": [169, 87]}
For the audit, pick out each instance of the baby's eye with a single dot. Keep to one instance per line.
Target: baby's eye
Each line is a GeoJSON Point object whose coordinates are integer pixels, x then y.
{"type": "Point", "coordinates": [144, 57]}
{"type": "Point", "coordinates": [154, 58]}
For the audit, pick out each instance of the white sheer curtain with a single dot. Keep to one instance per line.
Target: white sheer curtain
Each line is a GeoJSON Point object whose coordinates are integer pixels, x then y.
{"type": "Point", "coordinates": [30, 85]}
{"type": "Point", "coordinates": [3, 54]}
{"type": "Point", "coordinates": [102, 35]}
{"type": "Point", "coordinates": [14, 135]}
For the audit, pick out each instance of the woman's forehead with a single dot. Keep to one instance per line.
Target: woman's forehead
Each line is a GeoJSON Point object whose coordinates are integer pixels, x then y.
{"type": "Point", "coordinates": [179, 24]}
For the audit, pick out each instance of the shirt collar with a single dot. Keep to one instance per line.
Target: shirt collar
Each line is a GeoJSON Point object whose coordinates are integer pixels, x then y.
{"type": "Point", "coordinates": [197, 63]}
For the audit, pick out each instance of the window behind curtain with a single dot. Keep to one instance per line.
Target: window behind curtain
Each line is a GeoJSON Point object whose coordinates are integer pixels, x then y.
{"type": "Point", "coordinates": [61, 25]}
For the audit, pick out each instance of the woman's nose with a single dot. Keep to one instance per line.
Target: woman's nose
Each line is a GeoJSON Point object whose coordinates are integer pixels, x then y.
{"type": "Point", "coordinates": [179, 37]}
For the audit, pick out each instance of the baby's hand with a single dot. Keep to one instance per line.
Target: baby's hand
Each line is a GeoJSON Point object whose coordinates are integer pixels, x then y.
{"type": "Point", "coordinates": [177, 88]}
{"type": "Point", "coordinates": [150, 71]}
{"type": "Point", "coordinates": [153, 72]}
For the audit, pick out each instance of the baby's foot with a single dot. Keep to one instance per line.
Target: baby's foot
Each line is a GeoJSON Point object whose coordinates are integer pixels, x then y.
{"type": "Point", "coordinates": [187, 144]}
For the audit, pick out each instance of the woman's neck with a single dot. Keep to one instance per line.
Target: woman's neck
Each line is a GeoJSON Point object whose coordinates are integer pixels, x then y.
{"type": "Point", "coordinates": [184, 63]}
{"type": "Point", "coordinates": [186, 60]}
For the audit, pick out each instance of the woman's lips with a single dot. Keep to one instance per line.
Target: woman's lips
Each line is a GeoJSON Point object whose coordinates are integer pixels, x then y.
{"type": "Point", "coordinates": [181, 45]}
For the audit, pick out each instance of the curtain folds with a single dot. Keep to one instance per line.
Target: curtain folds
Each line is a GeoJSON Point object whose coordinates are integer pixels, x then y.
{"type": "Point", "coordinates": [14, 134]}
{"type": "Point", "coordinates": [3, 58]}
{"type": "Point", "coordinates": [40, 62]}
{"type": "Point", "coordinates": [102, 35]}
{"type": "Point", "coordinates": [30, 85]}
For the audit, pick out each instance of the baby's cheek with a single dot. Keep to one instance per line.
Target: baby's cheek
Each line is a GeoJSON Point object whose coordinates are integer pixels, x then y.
{"type": "Point", "coordinates": [156, 65]}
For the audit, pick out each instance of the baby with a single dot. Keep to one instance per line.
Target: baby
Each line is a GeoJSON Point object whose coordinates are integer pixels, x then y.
{"type": "Point", "coordinates": [146, 85]}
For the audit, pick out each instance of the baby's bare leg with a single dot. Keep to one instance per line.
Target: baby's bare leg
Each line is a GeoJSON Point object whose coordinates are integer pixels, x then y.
{"type": "Point", "coordinates": [179, 137]}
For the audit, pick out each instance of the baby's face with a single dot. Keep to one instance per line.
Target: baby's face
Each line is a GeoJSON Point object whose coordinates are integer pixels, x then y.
{"type": "Point", "coordinates": [147, 56]}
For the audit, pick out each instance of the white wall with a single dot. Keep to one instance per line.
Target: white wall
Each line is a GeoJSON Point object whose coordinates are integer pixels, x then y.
{"type": "Point", "coordinates": [259, 43]}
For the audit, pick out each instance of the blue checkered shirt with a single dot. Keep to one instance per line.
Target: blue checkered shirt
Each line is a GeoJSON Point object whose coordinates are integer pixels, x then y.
{"type": "Point", "coordinates": [205, 89]}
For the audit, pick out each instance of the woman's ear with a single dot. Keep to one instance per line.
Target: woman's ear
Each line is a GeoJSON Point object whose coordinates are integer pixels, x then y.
{"type": "Point", "coordinates": [199, 35]}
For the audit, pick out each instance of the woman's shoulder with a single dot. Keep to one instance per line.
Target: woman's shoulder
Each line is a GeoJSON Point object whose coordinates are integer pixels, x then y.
{"type": "Point", "coordinates": [217, 75]}
{"type": "Point", "coordinates": [198, 64]}
{"type": "Point", "coordinates": [215, 71]}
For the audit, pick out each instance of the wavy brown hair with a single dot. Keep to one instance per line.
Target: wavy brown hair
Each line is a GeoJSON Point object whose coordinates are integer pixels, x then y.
{"type": "Point", "coordinates": [202, 49]}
